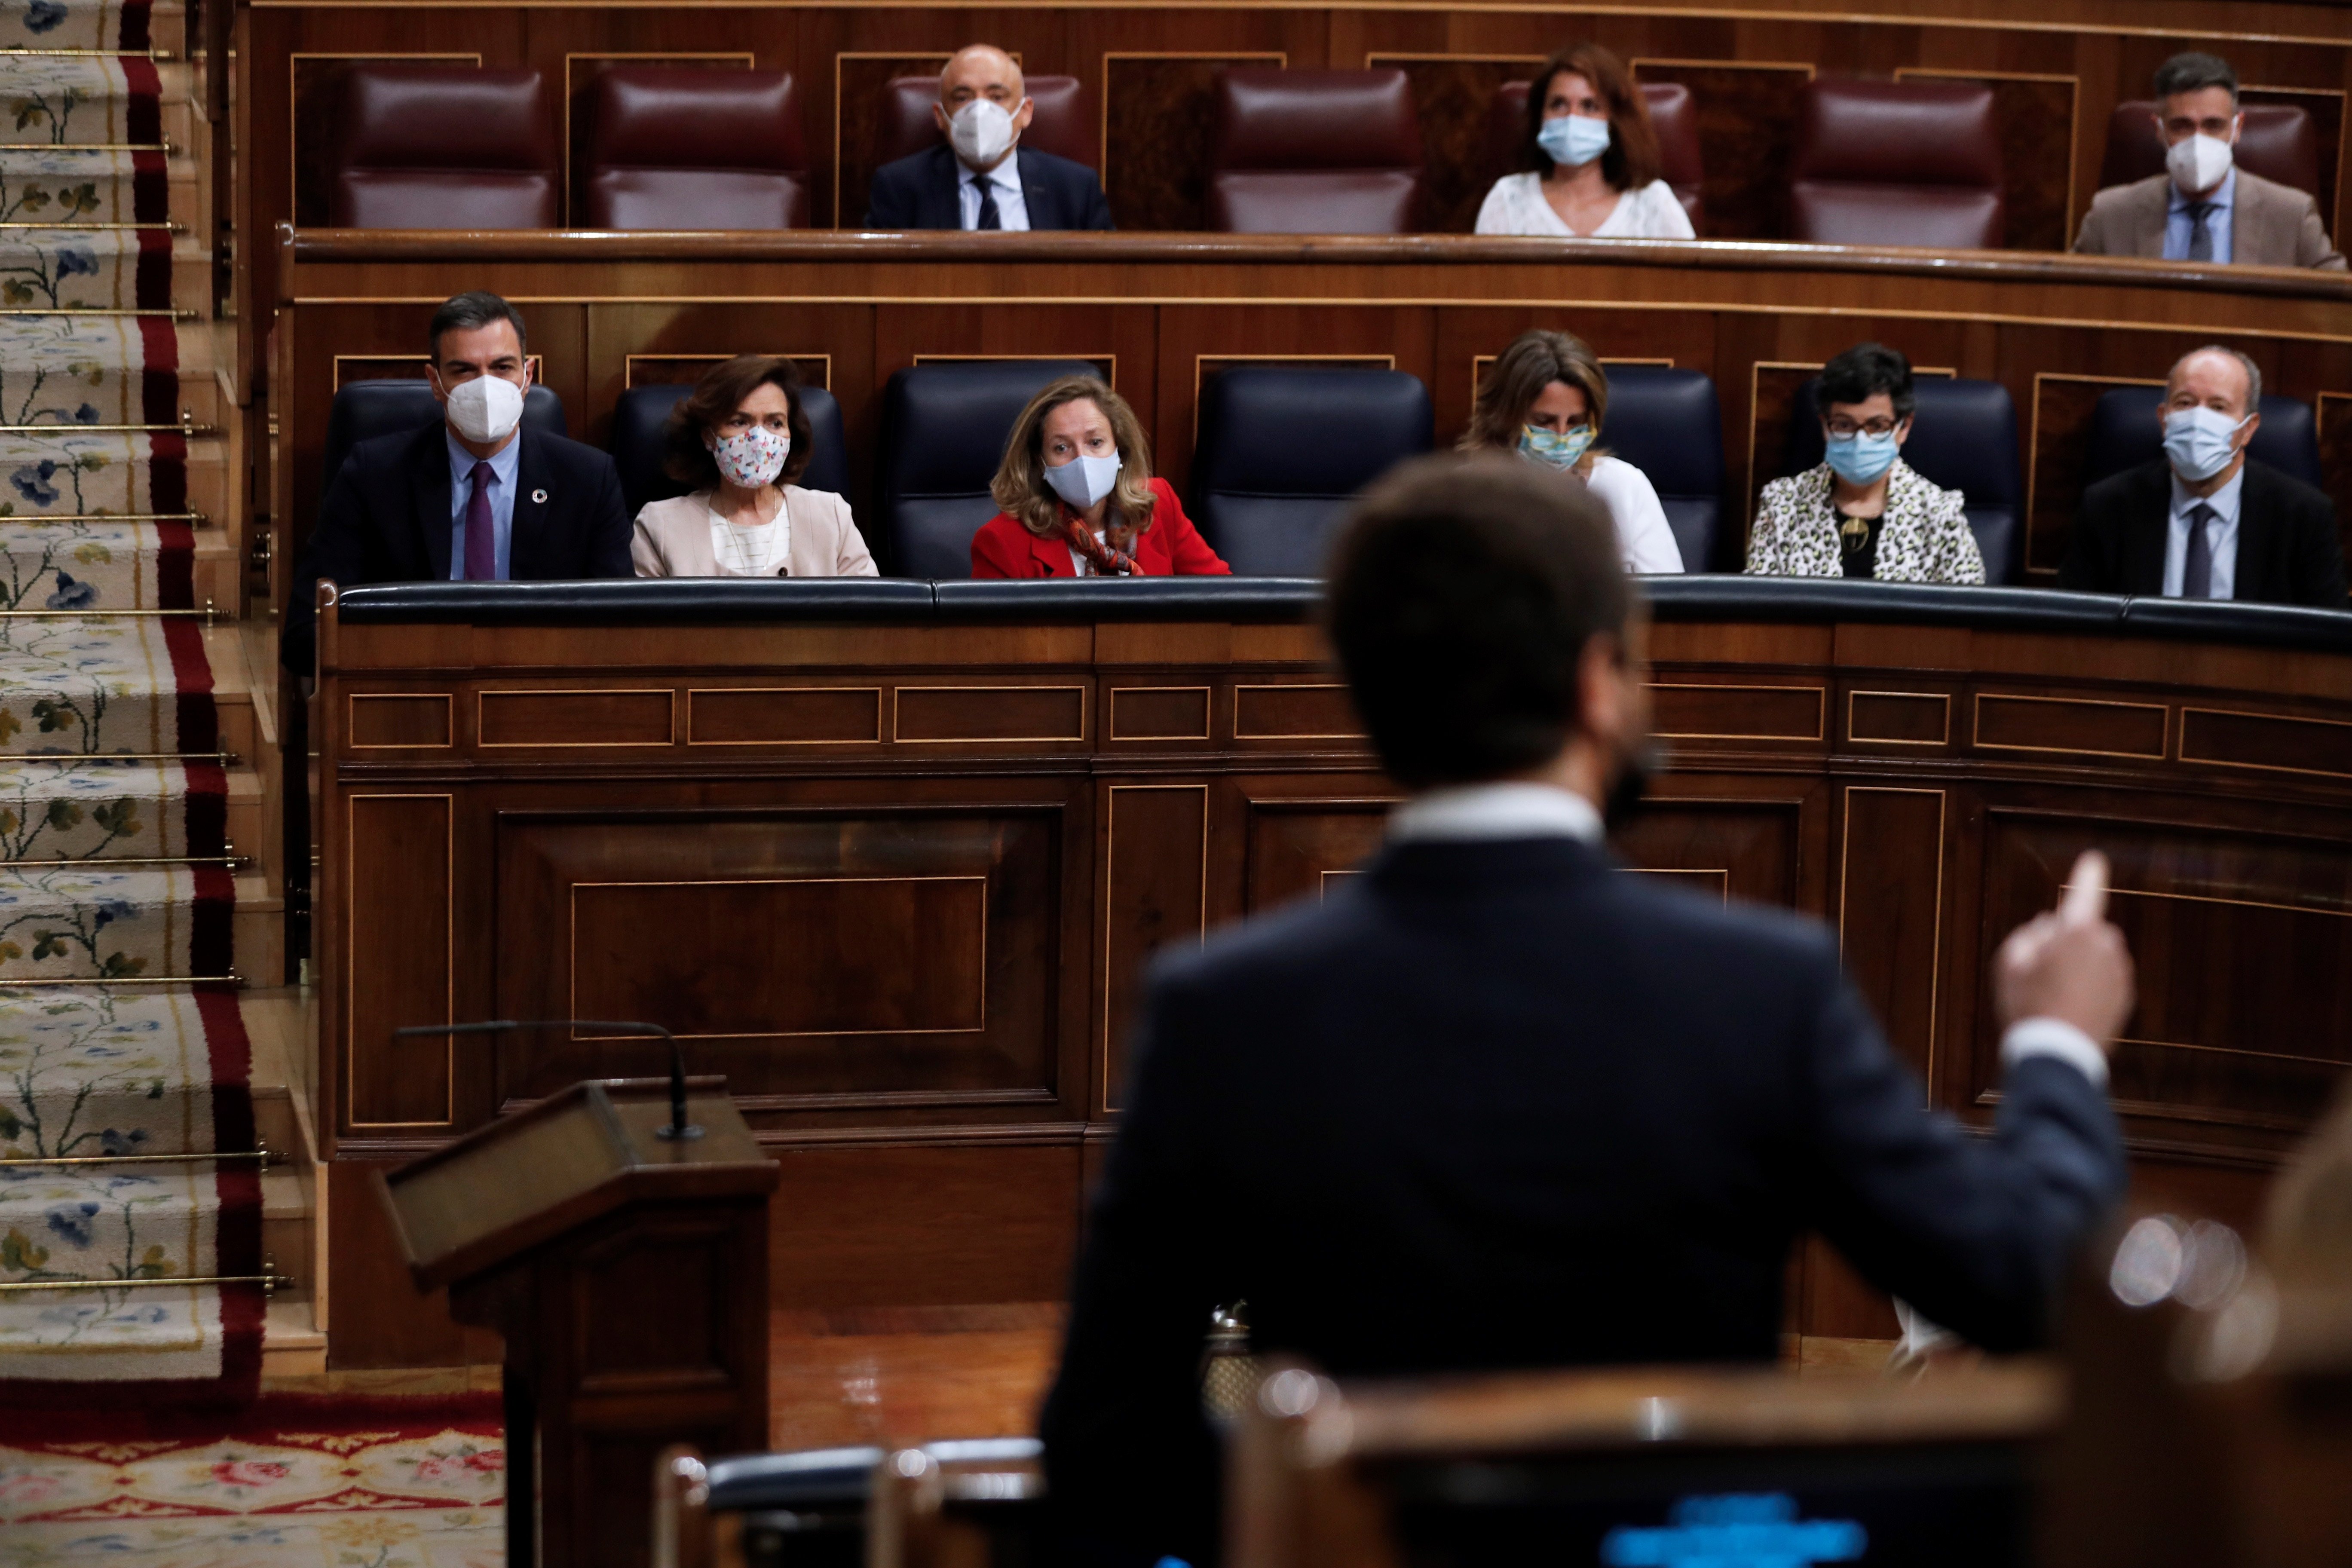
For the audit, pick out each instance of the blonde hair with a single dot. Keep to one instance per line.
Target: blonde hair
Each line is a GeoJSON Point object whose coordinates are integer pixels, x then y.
{"type": "Point", "coordinates": [1020, 487]}
{"type": "Point", "coordinates": [1534, 361]}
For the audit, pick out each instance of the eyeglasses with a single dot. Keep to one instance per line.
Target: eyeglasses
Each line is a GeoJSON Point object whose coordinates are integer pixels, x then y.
{"type": "Point", "coordinates": [1846, 429]}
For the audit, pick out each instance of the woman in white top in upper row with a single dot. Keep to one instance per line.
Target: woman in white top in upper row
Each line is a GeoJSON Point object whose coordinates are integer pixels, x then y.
{"type": "Point", "coordinates": [1545, 398]}
{"type": "Point", "coordinates": [1592, 159]}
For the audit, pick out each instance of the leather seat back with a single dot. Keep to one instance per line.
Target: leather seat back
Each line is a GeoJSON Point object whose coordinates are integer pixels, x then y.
{"type": "Point", "coordinates": [1673, 115]}
{"type": "Point", "coordinates": [1668, 424]}
{"type": "Point", "coordinates": [1886, 163]}
{"type": "Point", "coordinates": [1061, 119]}
{"type": "Point", "coordinates": [695, 147]}
{"type": "Point", "coordinates": [944, 430]}
{"type": "Point", "coordinates": [362, 410]}
{"type": "Point", "coordinates": [444, 147]}
{"type": "Point", "coordinates": [641, 423]}
{"type": "Point", "coordinates": [1284, 449]}
{"type": "Point", "coordinates": [1315, 151]}
{"type": "Point", "coordinates": [2124, 434]}
{"type": "Point", "coordinates": [2278, 142]}
{"type": "Point", "coordinates": [1963, 437]}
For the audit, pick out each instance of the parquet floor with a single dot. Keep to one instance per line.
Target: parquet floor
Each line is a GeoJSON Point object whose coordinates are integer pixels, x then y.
{"type": "Point", "coordinates": [898, 1375]}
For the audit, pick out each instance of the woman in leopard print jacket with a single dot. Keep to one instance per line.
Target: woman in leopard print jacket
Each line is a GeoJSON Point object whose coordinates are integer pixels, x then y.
{"type": "Point", "coordinates": [1863, 512]}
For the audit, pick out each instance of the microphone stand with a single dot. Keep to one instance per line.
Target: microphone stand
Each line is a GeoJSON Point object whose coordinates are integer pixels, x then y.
{"type": "Point", "coordinates": [679, 1128]}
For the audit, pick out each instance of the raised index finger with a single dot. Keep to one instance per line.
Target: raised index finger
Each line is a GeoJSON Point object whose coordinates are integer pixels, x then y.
{"type": "Point", "coordinates": [2085, 902]}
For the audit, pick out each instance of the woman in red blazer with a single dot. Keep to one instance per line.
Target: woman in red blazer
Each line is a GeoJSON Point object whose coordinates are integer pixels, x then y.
{"type": "Point", "coordinates": [1079, 500]}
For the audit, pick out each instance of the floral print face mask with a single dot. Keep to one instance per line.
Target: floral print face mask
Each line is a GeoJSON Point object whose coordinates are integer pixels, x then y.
{"type": "Point", "coordinates": [753, 457]}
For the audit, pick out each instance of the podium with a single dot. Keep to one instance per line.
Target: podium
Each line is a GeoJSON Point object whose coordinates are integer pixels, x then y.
{"type": "Point", "coordinates": [628, 1274]}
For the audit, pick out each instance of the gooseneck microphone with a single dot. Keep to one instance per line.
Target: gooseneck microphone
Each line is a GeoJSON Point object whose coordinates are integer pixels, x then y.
{"type": "Point", "coordinates": [679, 1128]}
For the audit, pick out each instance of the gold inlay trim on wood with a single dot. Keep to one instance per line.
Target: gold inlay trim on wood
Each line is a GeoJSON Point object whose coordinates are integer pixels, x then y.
{"type": "Point", "coordinates": [1976, 738]}
{"type": "Point", "coordinates": [1118, 692]}
{"type": "Point", "coordinates": [448, 963]}
{"type": "Point", "coordinates": [1110, 862]}
{"type": "Point", "coordinates": [481, 706]}
{"type": "Point", "coordinates": [873, 691]}
{"type": "Point", "coordinates": [2211, 760]}
{"type": "Point", "coordinates": [1821, 711]}
{"type": "Point", "coordinates": [1942, 699]}
{"type": "Point", "coordinates": [1935, 933]}
{"type": "Point", "coordinates": [899, 736]}
{"type": "Point", "coordinates": [1242, 734]}
{"type": "Point", "coordinates": [629, 366]}
{"type": "Point", "coordinates": [449, 720]}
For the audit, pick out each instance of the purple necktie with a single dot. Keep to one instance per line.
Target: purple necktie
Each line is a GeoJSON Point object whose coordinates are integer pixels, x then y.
{"type": "Point", "coordinates": [482, 533]}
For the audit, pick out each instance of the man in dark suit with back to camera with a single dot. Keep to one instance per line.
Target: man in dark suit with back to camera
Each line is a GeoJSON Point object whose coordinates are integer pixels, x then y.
{"type": "Point", "coordinates": [477, 497]}
{"type": "Point", "coordinates": [1499, 1103]}
{"type": "Point", "coordinates": [980, 177]}
{"type": "Point", "coordinates": [2205, 520]}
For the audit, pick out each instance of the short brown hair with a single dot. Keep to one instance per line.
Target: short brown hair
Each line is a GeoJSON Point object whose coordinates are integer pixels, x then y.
{"type": "Point", "coordinates": [1633, 159]}
{"type": "Point", "coordinates": [1534, 361]}
{"type": "Point", "coordinates": [1463, 592]}
{"type": "Point", "coordinates": [1020, 486]}
{"type": "Point", "coordinates": [719, 392]}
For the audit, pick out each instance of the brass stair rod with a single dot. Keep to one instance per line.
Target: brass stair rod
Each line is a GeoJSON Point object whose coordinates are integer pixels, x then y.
{"type": "Point", "coordinates": [169, 227]}
{"type": "Point", "coordinates": [226, 759]}
{"type": "Point", "coordinates": [195, 519]}
{"type": "Point", "coordinates": [270, 1283]}
{"type": "Point", "coordinates": [263, 1153]}
{"type": "Point", "coordinates": [230, 979]}
{"type": "Point", "coordinates": [109, 861]}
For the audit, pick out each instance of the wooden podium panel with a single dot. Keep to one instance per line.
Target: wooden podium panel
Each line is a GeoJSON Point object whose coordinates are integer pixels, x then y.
{"type": "Point", "coordinates": [923, 953]}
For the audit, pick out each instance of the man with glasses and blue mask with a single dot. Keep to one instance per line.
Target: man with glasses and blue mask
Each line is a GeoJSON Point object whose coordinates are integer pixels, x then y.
{"type": "Point", "coordinates": [1863, 512]}
{"type": "Point", "coordinates": [2205, 520]}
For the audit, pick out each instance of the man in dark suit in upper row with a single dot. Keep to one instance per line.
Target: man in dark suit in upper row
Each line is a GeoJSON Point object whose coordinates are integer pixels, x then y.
{"type": "Point", "coordinates": [981, 178]}
{"type": "Point", "coordinates": [2206, 521]}
{"type": "Point", "coordinates": [477, 498]}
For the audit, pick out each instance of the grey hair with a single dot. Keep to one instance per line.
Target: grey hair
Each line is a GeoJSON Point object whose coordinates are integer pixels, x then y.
{"type": "Point", "coordinates": [467, 312]}
{"type": "Point", "coordinates": [2254, 373]}
{"type": "Point", "coordinates": [2193, 73]}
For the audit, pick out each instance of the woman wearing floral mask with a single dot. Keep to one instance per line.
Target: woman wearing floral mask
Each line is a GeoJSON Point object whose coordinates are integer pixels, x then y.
{"type": "Point", "coordinates": [1863, 512]}
{"type": "Point", "coordinates": [1079, 500]}
{"type": "Point", "coordinates": [1544, 398]}
{"type": "Point", "coordinates": [1589, 159]}
{"type": "Point", "coordinates": [738, 442]}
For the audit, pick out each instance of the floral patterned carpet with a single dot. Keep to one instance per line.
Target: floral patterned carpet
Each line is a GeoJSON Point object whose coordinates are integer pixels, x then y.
{"type": "Point", "coordinates": [114, 887]}
{"type": "Point", "coordinates": [319, 1482]}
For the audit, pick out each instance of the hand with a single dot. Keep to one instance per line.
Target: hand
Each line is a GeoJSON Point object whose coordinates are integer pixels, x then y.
{"type": "Point", "coordinates": [2071, 965]}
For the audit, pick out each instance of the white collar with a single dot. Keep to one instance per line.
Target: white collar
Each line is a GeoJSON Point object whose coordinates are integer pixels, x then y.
{"type": "Point", "coordinates": [1005, 176]}
{"type": "Point", "coordinates": [2224, 502]}
{"type": "Point", "coordinates": [1496, 810]}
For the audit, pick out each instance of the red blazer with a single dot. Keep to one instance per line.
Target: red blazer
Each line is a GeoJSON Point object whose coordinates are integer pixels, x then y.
{"type": "Point", "coordinates": [1170, 547]}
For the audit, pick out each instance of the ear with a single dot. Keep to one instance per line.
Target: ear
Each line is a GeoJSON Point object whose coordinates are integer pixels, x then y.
{"type": "Point", "coordinates": [2246, 435]}
{"type": "Point", "coordinates": [440, 392]}
{"type": "Point", "coordinates": [1903, 431]}
{"type": "Point", "coordinates": [2237, 126]}
{"type": "Point", "coordinates": [939, 117]}
{"type": "Point", "coordinates": [526, 373]}
{"type": "Point", "coordinates": [1022, 115]}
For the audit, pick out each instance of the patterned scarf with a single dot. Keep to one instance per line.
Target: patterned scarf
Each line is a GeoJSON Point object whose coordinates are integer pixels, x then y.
{"type": "Point", "coordinates": [1108, 559]}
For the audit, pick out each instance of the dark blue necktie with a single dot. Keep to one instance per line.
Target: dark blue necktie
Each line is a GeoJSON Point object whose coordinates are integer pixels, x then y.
{"type": "Point", "coordinates": [2196, 568]}
{"type": "Point", "coordinates": [989, 218]}
{"type": "Point", "coordinates": [2201, 231]}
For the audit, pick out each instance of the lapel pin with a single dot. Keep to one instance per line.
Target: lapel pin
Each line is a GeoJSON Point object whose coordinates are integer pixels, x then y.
{"type": "Point", "coordinates": [538, 498]}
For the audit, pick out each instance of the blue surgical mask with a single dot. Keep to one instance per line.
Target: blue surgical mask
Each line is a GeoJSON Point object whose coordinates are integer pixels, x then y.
{"type": "Point", "coordinates": [2200, 442]}
{"type": "Point", "coordinates": [1554, 449]}
{"type": "Point", "coordinates": [1573, 141]}
{"type": "Point", "coordinates": [1860, 459]}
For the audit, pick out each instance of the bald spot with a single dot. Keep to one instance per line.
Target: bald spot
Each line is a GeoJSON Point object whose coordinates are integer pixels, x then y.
{"type": "Point", "coordinates": [982, 70]}
{"type": "Point", "coordinates": [2209, 380]}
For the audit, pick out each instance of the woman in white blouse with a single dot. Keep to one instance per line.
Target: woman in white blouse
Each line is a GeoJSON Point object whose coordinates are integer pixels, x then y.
{"type": "Point", "coordinates": [1544, 398]}
{"type": "Point", "coordinates": [1592, 159]}
{"type": "Point", "coordinates": [738, 441]}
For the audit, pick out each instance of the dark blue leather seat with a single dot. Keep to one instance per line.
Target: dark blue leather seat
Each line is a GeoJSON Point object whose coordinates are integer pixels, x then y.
{"type": "Point", "coordinates": [1282, 449]}
{"type": "Point", "coordinates": [2124, 434]}
{"type": "Point", "coordinates": [642, 415]}
{"type": "Point", "coordinates": [363, 410]}
{"type": "Point", "coordinates": [1963, 437]}
{"type": "Point", "coordinates": [1668, 424]}
{"type": "Point", "coordinates": [943, 429]}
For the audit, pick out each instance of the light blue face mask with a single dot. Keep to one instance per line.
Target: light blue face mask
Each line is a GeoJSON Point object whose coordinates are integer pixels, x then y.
{"type": "Point", "coordinates": [1553, 448]}
{"type": "Point", "coordinates": [1859, 458]}
{"type": "Point", "coordinates": [2200, 442]}
{"type": "Point", "coordinates": [1572, 141]}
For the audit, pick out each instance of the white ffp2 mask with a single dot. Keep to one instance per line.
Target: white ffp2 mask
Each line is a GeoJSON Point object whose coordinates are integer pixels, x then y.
{"type": "Point", "coordinates": [486, 408]}
{"type": "Point", "coordinates": [982, 130]}
{"type": "Point", "coordinates": [2199, 163]}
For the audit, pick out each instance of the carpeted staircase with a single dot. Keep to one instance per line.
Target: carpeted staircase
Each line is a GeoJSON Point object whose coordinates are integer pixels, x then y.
{"type": "Point", "coordinates": [128, 741]}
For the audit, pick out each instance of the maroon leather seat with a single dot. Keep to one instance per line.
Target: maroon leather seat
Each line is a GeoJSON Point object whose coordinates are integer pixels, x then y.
{"type": "Point", "coordinates": [1315, 151]}
{"type": "Point", "coordinates": [1673, 115]}
{"type": "Point", "coordinates": [1060, 121]}
{"type": "Point", "coordinates": [695, 147]}
{"type": "Point", "coordinates": [1887, 163]}
{"type": "Point", "coordinates": [2278, 141]}
{"type": "Point", "coordinates": [444, 147]}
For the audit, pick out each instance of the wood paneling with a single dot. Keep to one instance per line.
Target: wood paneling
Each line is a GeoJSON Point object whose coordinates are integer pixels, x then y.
{"type": "Point", "coordinates": [571, 718]}
{"type": "Point", "coordinates": [2058, 427]}
{"type": "Point", "coordinates": [1298, 848]}
{"type": "Point", "coordinates": [1710, 712]}
{"type": "Point", "coordinates": [384, 719]}
{"type": "Point", "coordinates": [1159, 712]}
{"type": "Point", "coordinates": [1453, 95]}
{"type": "Point", "coordinates": [1159, 120]}
{"type": "Point", "coordinates": [2266, 741]}
{"type": "Point", "coordinates": [1899, 718]}
{"type": "Point", "coordinates": [991, 713]}
{"type": "Point", "coordinates": [783, 716]}
{"type": "Point", "coordinates": [1301, 713]}
{"type": "Point", "coordinates": [2034, 118]}
{"type": "Point", "coordinates": [2006, 723]}
{"type": "Point", "coordinates": [399, 924]}
{"type": "Point", "coordinates": [1891, 912]}
{"type": "Point", "coordinates": [1747, 137]}
{"type": "Point", "coordinates": [1155, 891]}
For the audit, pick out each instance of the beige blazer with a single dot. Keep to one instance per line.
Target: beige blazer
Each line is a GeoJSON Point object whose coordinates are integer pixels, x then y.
{"type": "Point", "coordinates": [2271, 224]}
{"type": "Point", "coordinates": [672, 538]}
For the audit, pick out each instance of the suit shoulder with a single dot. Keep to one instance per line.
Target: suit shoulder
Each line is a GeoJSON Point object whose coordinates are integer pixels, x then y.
{"type": "Point", "coordinates": [2252, 184]}
{"type": "Point", "coordinates": [2115, 198]}
{"type": "Point", "coordinates": [1038, 161]}
{"type": "Point", "coordinates": [400, 446]}
{"type": "Point", "coordinates": [2122, 488]}
{"type": "Point", "coordinates": [575, 454]}
{"type": "Point", "coordinates": [2285, 489]}
{"type": "Point", "coordinates": [913, 166]}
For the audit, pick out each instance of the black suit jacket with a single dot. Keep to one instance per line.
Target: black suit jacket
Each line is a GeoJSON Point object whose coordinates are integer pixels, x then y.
{"type": "Point", "coordinates": [919, 192]}
{"type": "Point", "coordinates": [385, 519]}
{"type": "Point", "coordinates": [2288, 552]}
{"type": "Point", "coordinates": [1505, 1105]}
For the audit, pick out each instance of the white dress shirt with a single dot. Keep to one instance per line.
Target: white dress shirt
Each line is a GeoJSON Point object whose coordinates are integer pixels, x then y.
{"type": "Point", "coordinates": [503, 464]}
{"type": "Point", "coordinates": [2221, 533]}
{"type": "Point", "coordinates": [1644, 541]}
{"type": "Point", "coordinates": [1012, 205]}
{"type": "Point", "coordinates": [1515, 206]}
{"type": "Point", "coordinates": [1494, 811]}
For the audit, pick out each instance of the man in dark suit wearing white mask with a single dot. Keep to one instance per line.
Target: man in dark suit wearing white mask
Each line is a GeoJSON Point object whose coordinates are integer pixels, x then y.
{"type": "Point", "coordinates": [477, 497]}
{"type": "Point", "coordinates": [2206, 522]}
{"type": "Point", "coordinates": [981, 179]}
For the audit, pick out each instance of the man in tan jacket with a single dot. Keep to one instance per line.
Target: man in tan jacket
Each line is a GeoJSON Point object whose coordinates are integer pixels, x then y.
{"type": "Point", "coordinates": [2204, 207]}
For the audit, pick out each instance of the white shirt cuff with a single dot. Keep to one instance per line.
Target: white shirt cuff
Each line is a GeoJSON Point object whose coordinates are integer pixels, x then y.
{"type": "Point", "coordinates": [2054, 1037]}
